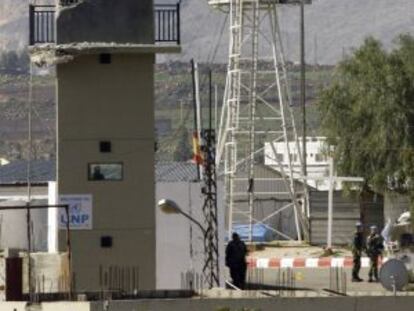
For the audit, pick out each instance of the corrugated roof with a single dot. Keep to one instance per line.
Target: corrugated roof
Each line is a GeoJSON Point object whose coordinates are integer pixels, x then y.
{"type": "Point", "coordinates": [175, 171]}
{"type": "Point", "coordinates": [45, 170]}
{"type": "Point", "coordinates": [15, 172]}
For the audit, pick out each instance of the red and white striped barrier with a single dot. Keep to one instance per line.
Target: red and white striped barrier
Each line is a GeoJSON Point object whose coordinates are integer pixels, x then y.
{"type": "Point", "coordinates": [324, 262]}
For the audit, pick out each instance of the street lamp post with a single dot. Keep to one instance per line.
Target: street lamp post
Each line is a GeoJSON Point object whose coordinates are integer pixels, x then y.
{"type": "Point", "coordinates": [170, 207]}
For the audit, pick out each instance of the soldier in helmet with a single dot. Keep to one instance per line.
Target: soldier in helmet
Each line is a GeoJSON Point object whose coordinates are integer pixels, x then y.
{"type": "Point", "coordinates": [357, 248]}
{"type": "Point", "coordinates": [374, 251]}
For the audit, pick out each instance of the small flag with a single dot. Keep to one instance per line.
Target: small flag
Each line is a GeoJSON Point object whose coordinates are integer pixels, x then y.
{"type": "Point", "coordinates": [197, 156]}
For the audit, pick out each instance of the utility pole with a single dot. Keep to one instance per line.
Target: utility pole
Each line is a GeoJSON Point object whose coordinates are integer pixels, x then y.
{"type": "Point", "coordinates": [29, 185]}
{"type": "Point", "coordinates": [303, 83]}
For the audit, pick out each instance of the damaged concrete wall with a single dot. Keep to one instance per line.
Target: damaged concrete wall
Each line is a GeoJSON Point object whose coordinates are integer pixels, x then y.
{"type": "Point", "coordinates": [50, 272]}
{"type": "Point", "coordinates": [119, 21]}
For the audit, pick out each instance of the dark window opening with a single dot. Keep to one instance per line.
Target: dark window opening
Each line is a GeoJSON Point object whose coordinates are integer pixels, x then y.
{"type": "Point", "coordinates": [105, 146]}
{"type": "Point", "coordinates": [105, 58]}
{"type": "Point", "coordinates": [106, 241]}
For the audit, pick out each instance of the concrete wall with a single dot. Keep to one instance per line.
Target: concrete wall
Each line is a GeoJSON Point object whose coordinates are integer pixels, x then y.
{"type": "Point", "coordinates": [13, 224]}
{"type": "Point", "coordinates": [111, 102]}
{"type": "Point", "coordinates": [271, 195]}
{"type": "Point", "coordinates": [266, 304]}
{"type": "Point", "coordinates": [394, 205]}
{"type": "Point", "coordinates": [173, 234]}
{"type": "Point", "coordinates": [120, 21]}
{"type": "Point", "coordinates": [373, 303]}
{"type": "Point", "coordinates": [50, 273]}
{"type": "Point", "coordinates": [347, 210]}
{"type": "Point", "coordinates": [13, 229]}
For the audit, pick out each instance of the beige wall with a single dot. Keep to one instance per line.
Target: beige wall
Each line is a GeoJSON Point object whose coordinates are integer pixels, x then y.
{"type": "Point", "coordinates": [111, 102]}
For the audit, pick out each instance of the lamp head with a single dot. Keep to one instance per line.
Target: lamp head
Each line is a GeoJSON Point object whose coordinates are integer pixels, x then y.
{"type": "Point", "coordinates": [169, 206]}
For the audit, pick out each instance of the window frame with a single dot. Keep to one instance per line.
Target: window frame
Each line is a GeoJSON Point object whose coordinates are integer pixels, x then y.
{"type": "Point", "coordinates": [89, 175]}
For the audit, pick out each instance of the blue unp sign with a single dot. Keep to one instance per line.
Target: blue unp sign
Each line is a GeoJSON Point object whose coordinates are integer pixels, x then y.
{"type": "Point", "coordinates": [80, 211]}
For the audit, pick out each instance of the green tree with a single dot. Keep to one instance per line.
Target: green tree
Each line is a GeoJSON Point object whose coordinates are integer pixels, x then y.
{"type": "Point", "coordinates": [368, 115]}
{"type": "Point", "coordinates": [183, 150]}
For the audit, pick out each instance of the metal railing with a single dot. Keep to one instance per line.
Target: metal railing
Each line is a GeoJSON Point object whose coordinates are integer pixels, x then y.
{"type": "Point", "coordinates": [167, 23]}
{"type": "Point", "coordinates": [42, 23]}
{"type": "Point", "coordinates": [67, 2]}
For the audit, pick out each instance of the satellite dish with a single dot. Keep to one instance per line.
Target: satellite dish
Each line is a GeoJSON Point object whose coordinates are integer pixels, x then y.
{"type": "Point", "coordinates": [394, 275]}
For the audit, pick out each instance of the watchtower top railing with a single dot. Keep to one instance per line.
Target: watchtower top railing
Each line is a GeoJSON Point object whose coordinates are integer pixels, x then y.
{"type": "Point", "coordinates": [68, 2]}
{"type": "Point", "coordinates": [43, 25]}
{"type": "Point", "coordinates": [218, 3]}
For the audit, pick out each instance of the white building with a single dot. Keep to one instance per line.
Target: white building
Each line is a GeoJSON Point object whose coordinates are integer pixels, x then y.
{"type": "Point", "coordinates": [317, 160]}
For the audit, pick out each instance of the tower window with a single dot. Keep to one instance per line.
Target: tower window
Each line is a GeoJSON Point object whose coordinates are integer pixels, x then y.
{"type": "Point", "coordinates": [105, 146]}
{"type": "Point", "coordinates": [105, 172]}
{"type": "Point", "coordinates": [106, 241]}
{"type": "Point", "coordinates": [105, 58]}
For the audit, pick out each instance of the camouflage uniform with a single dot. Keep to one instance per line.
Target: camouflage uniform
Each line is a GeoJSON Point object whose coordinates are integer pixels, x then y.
{"type": "Point", "coordinates": [357, 248]}
{"type": "Point", "coordinates": [374, 250]}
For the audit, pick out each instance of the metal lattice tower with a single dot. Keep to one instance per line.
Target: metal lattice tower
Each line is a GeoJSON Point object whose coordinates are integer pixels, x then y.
{"type": "Point", "coordinates": [257, 108]}
{"type": "Point", "coordinates": [211, 271]}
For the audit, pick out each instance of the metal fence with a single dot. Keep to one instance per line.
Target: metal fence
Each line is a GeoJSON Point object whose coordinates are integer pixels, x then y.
{"type": "Point", "coordinates": [42, 23]}
{"type": "Point", "coordinates": [68, 2]}
{"type": "Point", "coordinates": [167, 23]}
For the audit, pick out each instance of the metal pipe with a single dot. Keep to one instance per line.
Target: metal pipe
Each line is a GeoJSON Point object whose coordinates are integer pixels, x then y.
{"type": "Point", "coordinates": [29, 186]}
{"type": "Point", "coordinates": [31, 24]}
{"type": "Point", "coordinates": [303, 82]}
{"type": "Point", "coordinates": [196, 125]}
{"type": "Point", "coordinates": [178, 24]}
{"type": "Point", "coordinates": [330, 202]}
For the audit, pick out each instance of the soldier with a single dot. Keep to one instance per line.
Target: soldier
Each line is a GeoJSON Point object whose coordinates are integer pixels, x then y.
{"type": "Point", "coordinates": [357, 248]}
{"type": "Point", "coordinates": [374, 250]}
{"type": "Point", "coordinates": [236, 261]}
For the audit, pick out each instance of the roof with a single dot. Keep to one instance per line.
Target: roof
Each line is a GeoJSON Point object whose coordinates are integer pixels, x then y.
{"type": "Point", "coordinates": [15, 172]}
{"type": "Point", "coordinates": [175, 171]}
{"type": "Point", "coordinates": [45, 170]}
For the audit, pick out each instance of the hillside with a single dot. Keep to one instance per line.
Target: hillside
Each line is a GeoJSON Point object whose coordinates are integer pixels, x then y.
{"type": "Point", "coordinates": [334, 27]}
{"type": "Point", "coordinates": [173, 106]}
{"type": "Point", "coordinates": [13, 24]}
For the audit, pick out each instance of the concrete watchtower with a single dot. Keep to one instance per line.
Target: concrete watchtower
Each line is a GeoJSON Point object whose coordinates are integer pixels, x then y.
{"type": "Point", "coordinates": [105, 52]}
